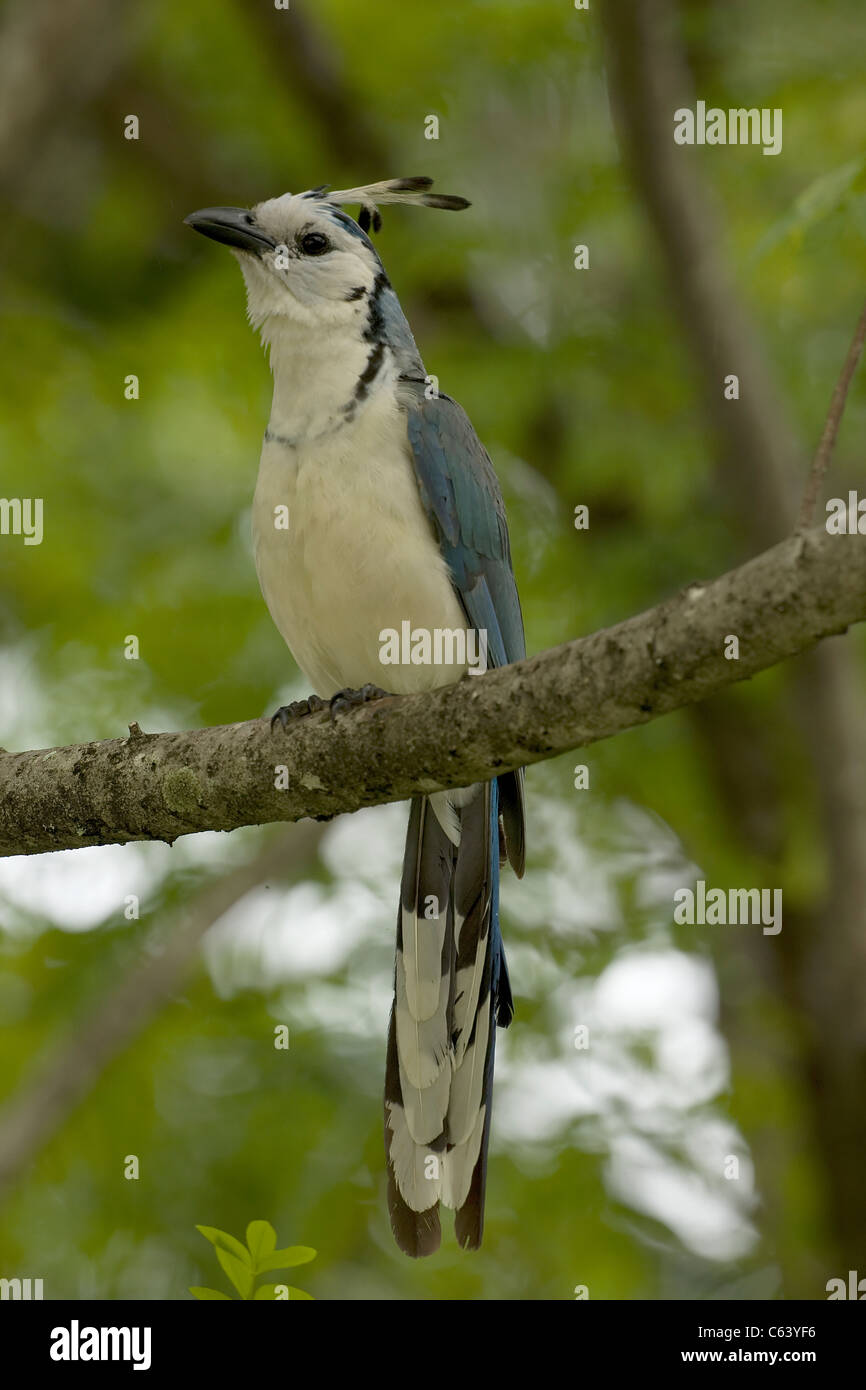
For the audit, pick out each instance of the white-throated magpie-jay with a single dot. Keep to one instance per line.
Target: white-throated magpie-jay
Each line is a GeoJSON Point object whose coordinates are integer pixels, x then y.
{"type": "Point", "coordinates": [394, 516]}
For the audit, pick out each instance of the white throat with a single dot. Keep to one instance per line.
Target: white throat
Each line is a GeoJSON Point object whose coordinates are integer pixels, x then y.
{"type": "Point", "coordinates": [316, 377]}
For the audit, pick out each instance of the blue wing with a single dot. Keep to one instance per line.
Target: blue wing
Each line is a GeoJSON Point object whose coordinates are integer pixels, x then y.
{"type": "Point", "coordinates": [461, 494]}
{"type": "Point", "coordinates": [463, 500]}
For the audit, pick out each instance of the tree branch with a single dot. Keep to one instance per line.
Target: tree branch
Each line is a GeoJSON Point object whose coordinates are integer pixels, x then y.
{"type": "Point", "coordinates": [161, 786]}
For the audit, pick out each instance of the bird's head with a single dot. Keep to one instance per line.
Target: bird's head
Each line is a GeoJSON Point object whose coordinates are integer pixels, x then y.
{"type": "Point", "coordinates": [303, 258]}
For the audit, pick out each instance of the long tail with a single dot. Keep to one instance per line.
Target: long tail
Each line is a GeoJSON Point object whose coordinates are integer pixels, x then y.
{"type": "Point", "coordinates": [450, 990]}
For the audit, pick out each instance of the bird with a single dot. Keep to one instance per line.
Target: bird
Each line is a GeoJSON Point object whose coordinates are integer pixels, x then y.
{"type": "Point", "coordinates": [390, 512]}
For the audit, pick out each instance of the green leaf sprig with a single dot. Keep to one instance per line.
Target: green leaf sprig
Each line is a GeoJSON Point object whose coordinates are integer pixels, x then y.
{"type": "Point", "coordinates": [244, 1263]}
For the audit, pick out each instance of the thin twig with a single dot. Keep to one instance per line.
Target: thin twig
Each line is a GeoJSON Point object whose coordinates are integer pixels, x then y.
{"type": "Point", "coordinates": [824, 453]}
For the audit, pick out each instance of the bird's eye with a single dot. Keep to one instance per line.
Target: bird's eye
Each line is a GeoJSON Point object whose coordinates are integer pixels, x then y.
{"type": "Point", "coordinates": [314, 244]}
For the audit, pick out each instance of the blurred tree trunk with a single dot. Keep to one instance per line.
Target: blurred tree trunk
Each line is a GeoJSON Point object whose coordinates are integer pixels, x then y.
{"type": "Point", "coordinates": [816, 967]}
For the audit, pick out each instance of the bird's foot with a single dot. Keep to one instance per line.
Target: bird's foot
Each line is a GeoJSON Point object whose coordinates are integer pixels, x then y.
{"type": "Point", "coordinates": [338, 704]}
{"type": "Point", "coordinates": [298, 709]}
{"type": "Point", "coordinates": [349, 699]}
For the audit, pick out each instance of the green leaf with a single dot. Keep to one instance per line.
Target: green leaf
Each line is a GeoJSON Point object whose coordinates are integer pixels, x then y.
{"type": "Point", "coordinates": [240, 1274]}
{"type": "Point", "coordinates": [289, 1257]}
{"type": "Point", "coordinates": [299, 1293]}
{"type": "Point", "coordinates": [261, 1239]}
{"type": "Point", "coordinates": [208, 1295]}
{"type": "Point", "coordinates": [265, 1291]}
{"type": "Point", "coordinates": [223, 1241]}
{"type": "Point", "coordinates": [821, 198]}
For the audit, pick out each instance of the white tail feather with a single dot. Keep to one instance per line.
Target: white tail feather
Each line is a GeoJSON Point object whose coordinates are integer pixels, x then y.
{"type": "Point", "coordinates": [423, 939]}
{"type": "Point", "coordinates": [425, 1106]}
{"type": "Point", "coordinates": [419, 1182]}
{"type": "Point", "coordinates": [422, 1044]}
{"type": "Point", "coordinates": [458, 1165]}
{"type": "Point", "coordinates": [467, 1086]}
{"type": "Point", "coordinates": [466, 991]}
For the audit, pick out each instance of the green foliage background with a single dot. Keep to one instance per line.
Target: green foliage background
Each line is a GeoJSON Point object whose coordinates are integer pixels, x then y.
{"type": "Point", "coordinates": [579, 385]}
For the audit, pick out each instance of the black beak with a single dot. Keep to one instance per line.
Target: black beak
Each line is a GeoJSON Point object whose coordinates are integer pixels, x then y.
{"type": "Point", "coordinates": [233, 226]}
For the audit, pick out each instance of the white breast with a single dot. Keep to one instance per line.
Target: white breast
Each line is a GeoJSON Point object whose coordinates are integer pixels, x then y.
{"type": "Point", "coordinates": [358, 555]}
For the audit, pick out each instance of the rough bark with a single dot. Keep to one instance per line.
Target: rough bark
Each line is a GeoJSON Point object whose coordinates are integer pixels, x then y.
{"type": "Point", "coordinates": [161, 786]}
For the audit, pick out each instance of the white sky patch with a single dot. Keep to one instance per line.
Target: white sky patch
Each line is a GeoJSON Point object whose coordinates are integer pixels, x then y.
{"type": "Point", "coordinates": [709, 1222]}
{"type": "Point", "coordinates": [655, 1060]}
{"type": "Point", "coordinates": [76, 890]}
{"type": "Point", "coordinates": [368, 845]}
{"type": "Point", "coordinates": [682, 1061]}
{"type": "Point", "coordinates": [275, 936]}
{"type": "Point", "coordinates": [572, 894]}
{"type": "Point", "coordinates": [73, 889]}
{"type": "Point", "coordinates": [358, 1009]}
{"type": "Point", "coordinates": [652, 989]}
{"type": "Point", "coordinates": [536, 1101]}
{"type": "Point", "coordinates": [662, 865]}
{"type": "Point", "coordinates": [538, 973]}
{"type": "Point", "coordinates": [23, 705]}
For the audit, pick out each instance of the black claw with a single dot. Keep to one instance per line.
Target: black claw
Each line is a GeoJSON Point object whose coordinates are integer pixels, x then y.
{"type": "Point", "coordinates": [338, 704]}
{"type": "Point", "coordinates": [349, 699]}
{"type": "Point", "coordinates": [298, 709]}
